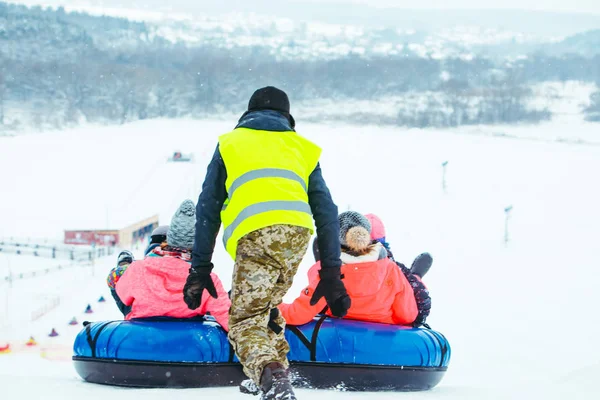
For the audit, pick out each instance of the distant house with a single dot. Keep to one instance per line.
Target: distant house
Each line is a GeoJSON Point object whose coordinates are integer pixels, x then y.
{"type": "Point", "coordinates": [124, 237]}
{"type": "Point", "coordinates": [92, 237]}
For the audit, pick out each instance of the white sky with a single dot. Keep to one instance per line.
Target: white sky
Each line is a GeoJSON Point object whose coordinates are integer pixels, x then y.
{"type": "Point", "coordinates": [583, 6]}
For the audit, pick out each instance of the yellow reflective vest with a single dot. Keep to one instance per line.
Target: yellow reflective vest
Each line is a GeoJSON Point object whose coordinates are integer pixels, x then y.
{"type": "Point", "coordinates": [267, 181]}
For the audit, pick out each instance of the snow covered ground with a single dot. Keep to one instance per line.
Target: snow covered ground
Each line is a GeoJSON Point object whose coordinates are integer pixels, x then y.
{"type": "Point", "coordinates": [25, 264]}
{"type": "Point", "coordinates": [520, 317]}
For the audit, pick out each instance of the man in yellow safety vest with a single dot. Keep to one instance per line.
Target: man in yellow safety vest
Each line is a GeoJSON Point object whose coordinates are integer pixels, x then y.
{"type": "Point", "coordinates": [264, 184]}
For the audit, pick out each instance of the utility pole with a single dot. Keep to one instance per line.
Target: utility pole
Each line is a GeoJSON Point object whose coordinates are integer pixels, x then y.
{"type": "Point", "coordinates": [444, 164]}
{"type": "Point", "coordinates": [507, 211]}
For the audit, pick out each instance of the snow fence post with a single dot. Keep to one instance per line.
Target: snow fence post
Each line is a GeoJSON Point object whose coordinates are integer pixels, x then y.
{"type": "Point", "coordinates": [10, 275]}
{"type": "Point", "coordinates": [507, 211]}
{"type": "Point", "coordinates": [4, 320]}
{"type": "Point", "coordinates": [92, 258]}
{"type": "Point", "coordinates": [444, 164]}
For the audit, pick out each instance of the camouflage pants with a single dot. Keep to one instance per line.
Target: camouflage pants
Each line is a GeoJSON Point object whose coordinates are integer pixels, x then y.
{"type": "Point", "coordinates": [265, 265]}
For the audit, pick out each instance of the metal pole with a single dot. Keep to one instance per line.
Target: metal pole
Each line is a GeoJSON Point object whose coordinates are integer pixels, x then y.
{"type": "Point", "coordinates": [93, 258]}
{"type": "Point", "coordinates": [6, 305]}
{"type": "Point", "coordinates": [507, 211]}
{"type": "Point", "coordinates": [6, 318]}
{"type": "Point", "coordinates": [444, 164]}
{"type": "Point", "coordinates": [10, 274]}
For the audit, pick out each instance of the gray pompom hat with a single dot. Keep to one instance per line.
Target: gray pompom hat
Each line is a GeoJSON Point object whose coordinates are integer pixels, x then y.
{"type": "Point", "coordinates": [182, 228]}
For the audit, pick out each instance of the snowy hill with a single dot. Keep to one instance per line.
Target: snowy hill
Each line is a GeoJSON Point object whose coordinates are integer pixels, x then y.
{"type": "Point", "coordinates": [350, 12]}
{"type": "Point", "coordinates": [508, 99]}
{"type": "Point", "coordinates": [291, 32]}
{"type": "Point", "coordinates": [586, 43]}
{"type": "Point", "coordinates": [509, 311]}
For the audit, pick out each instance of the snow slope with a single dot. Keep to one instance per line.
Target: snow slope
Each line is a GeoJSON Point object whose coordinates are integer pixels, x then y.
{"type": "Point", "coordinates": [520, 317]}
{"type": "Point", "coordinates": [25, 264]}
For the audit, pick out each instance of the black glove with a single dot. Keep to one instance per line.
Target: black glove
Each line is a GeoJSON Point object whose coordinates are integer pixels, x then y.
{"type": "Point", "coordinates": [274, 314]}
{"type": "Point", "coordinates": [332, 288]}
{"type": "Point", "coordinates": [198, 280]}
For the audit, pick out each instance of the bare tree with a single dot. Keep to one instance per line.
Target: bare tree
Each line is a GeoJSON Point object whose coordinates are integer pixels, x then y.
{"type": "Point", "coordinates": [2, 90]}
{"type": "Point", "coordinates": [592, 113]}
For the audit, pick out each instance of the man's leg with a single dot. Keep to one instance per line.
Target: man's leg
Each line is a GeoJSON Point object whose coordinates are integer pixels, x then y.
{"type": "Point", "coordinates": [294, 244]}
{"type": "Point", "coordinates": [254, 277]}
{"type": "Point", "coordinates": [262, 274]}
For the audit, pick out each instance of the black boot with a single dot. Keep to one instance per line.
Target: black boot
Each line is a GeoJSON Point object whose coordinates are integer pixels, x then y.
{"type": "Point", "coordinates": [275, 383]}
{"type": "Point", "coordinates": [249, 387]}
{"type": "Point", "coordinates": [421, 264]}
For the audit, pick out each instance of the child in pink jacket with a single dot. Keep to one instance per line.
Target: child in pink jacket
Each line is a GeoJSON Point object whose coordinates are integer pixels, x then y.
{"type": "Point", "coordinates": [152, 287]}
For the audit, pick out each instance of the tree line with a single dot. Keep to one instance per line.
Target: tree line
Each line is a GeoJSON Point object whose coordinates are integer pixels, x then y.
{"type": "Point", "coordinates": [59, 69]}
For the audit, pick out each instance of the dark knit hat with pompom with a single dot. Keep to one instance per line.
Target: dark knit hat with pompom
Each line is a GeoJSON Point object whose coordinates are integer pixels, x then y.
{"type": "Point", "coordinates": [355, 230]}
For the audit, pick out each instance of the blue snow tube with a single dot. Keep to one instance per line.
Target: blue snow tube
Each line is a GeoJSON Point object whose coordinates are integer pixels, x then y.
{"type": "Point", "coordinates": [325, 353]}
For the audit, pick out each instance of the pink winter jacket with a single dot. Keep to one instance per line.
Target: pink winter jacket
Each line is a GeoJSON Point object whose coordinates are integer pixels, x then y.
{"type": "Point", "coordinates": [153, 287]}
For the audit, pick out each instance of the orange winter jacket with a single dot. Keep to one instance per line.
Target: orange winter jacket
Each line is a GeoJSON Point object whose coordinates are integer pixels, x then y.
{"type": "Point", "coordinates": [378, 289]}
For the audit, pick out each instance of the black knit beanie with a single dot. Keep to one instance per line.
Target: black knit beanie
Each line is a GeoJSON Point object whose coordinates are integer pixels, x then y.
{"type": "Point", "coordinates": [271, 98]}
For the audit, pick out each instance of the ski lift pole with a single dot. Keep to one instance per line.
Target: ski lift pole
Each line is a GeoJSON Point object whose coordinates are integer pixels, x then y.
{"type": "Point", "coordinates": [10, 274]}
{"type": "Point", "coordinates": [507, 211]}
{"type": "Point", "coordinates": [5, 325]}
{"type": "Point", "coordinates": [93, 258]}
{"type": "Point", "coordinates": [444, 164]}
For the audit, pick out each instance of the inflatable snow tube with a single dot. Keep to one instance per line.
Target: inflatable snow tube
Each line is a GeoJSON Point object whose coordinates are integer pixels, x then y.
{"type": "Point", "coordinates": [325, 353]}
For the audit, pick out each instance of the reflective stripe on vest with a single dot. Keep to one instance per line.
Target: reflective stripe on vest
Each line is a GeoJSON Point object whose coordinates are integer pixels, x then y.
{"type": "Point", "coordinates": [258, 208]}
{"type": "Point", "coordinates": [265, 173]}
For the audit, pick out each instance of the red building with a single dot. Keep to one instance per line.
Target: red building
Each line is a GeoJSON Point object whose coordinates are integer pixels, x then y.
{"type": "Point", "coordinates": [99, 238]}
{"type": "Point", "coordinates": [124, 237]}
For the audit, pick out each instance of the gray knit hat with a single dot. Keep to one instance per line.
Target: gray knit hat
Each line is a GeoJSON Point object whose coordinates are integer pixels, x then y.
{"type": "Point", "coordinates": [182, 228]}
{"type": "Point", "coordinates": [355, 230]}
